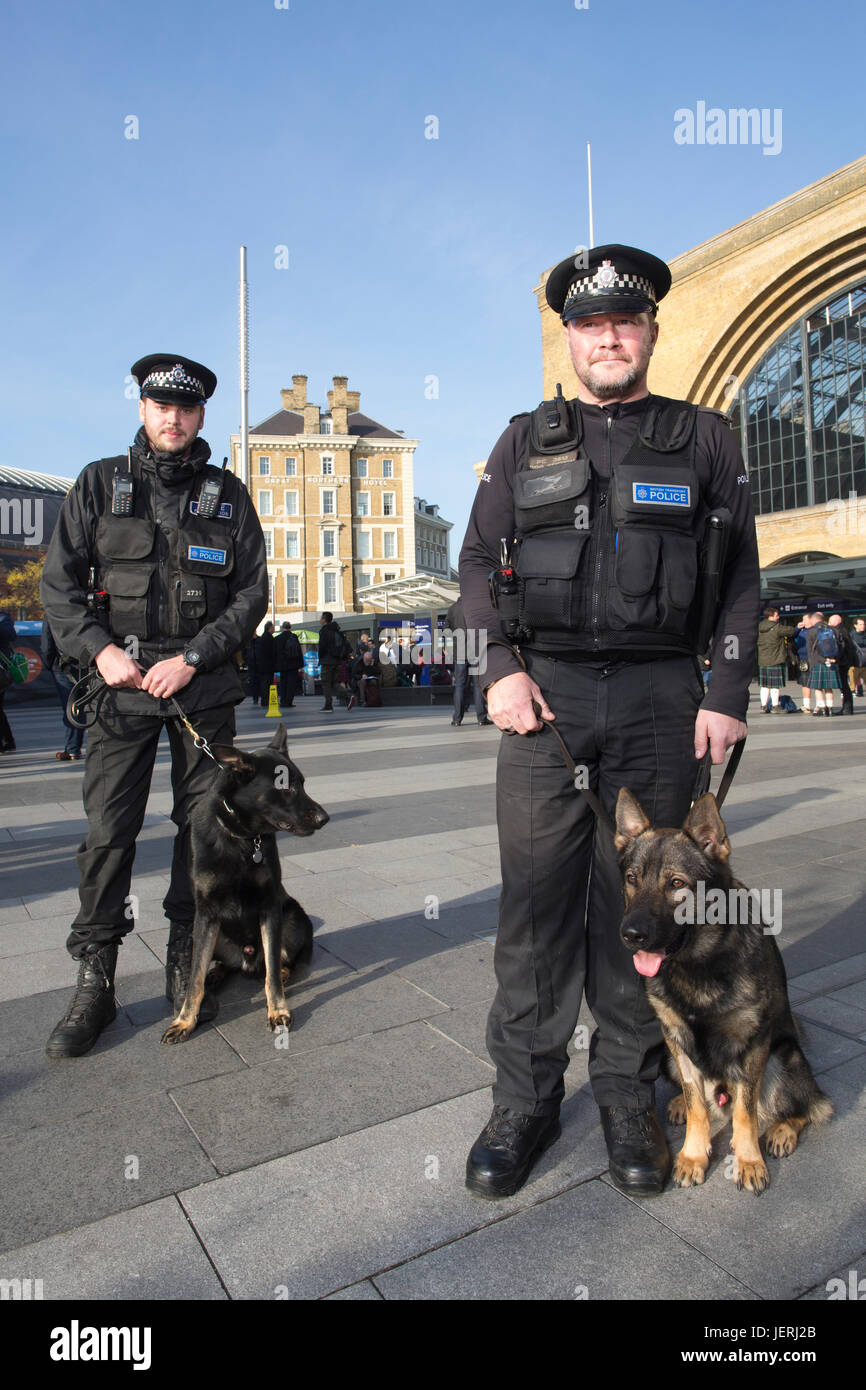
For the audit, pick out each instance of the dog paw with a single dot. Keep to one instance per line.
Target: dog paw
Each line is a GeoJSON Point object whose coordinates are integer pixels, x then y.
{"type": "Point", "coordinates": [178, 1032]}
{"type": "Point", "coordinates": [280, 1019]}
{"type": "Point", "coordinates": [781, 1138]}
{"type": "Point", "coordinates": [689, 1172]}
{"type": "Point", "coordinates": [752, 1176]}
{"type": "Point", "coordinates": [677, 1110]}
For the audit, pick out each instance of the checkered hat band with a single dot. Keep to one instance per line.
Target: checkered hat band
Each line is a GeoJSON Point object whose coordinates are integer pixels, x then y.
{"type": "Point", "coordinates": [626, 284]}
{"type": "Point", "coordinates": [175, 380]}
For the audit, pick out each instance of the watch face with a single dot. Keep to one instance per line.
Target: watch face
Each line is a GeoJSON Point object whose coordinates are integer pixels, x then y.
{"type": "Point", "coordinates": [191, 658]}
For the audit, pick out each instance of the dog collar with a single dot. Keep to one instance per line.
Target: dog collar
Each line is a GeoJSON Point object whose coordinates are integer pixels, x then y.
{"type": "Point", "coordinates": [256, 839]}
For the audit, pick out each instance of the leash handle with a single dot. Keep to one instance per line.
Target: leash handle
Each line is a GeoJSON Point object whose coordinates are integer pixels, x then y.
{"type": "Point", "coordinates": [92, 688]}
{"type": "Point", "coordinates": [730, 771]}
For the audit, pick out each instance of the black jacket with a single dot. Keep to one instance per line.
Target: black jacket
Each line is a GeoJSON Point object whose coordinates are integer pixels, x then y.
{"type": "Point", "coordinates": [332, 645]}
{"type": "Point", "coordinates": [287, 652]}
{"type": "Point", "coordinates": [609, 434]}
{"type": "Point", "coordinates": [164, 489]}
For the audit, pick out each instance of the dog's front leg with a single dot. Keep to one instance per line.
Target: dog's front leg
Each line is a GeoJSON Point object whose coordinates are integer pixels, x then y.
{"type": "Point", "coordinates": [272, 941]}
{"type": "Point", "coordinates": [750, 1170]}
{"type": "Point", "coordinates": [204, 938]}
{"type": "Point", "coordinates": [690, 1165]}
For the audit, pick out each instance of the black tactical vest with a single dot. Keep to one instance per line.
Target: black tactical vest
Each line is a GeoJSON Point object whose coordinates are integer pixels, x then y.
{"type": "Point", "coordinates": [609, 564]}
{"type": "Point", "coordinates": [164, 584]}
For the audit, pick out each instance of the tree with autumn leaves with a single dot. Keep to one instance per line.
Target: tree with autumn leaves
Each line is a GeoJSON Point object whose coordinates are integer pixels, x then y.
{"type": "Point", "coordinates": [19, 591]}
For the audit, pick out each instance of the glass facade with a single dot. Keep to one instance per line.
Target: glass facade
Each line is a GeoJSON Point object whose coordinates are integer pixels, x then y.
{"type": "Point", "coordinates": [800, 414]}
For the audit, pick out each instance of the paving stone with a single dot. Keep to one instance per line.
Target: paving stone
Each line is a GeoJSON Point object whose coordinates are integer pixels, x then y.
{"type": "Point", "coordinates": [553, 1252]}
{"type": "Point", "coordinates": [461, 974]}
{"type": "Point", "coordinates": [366, 1290]}
{"type": "Point", "coordinates": [301, 1099]}
{"type": "Point", "coordinates": [391, 944]}
{"type": "Point", "coordinates": [830, 977]}
{"type": "Point", "coordinates": [826, 1048]}
{"type": "Point", "coordinates": [328, 1007]}
{"type": "Point", "coordinates": [809, 1216]}
{"type": "Point", "coordinates": [830, 1010]}
{"type": "Point", "coordinates": [843, 1285]}
{"type": "Point", "coordinates": [123, 1062]}
{"type": "Point", "coordinates": [344, 1210]}
{"type": "Point", "coordinates": [148, 1253]}
{"type": "Point", "coordinates": [56, 1178]}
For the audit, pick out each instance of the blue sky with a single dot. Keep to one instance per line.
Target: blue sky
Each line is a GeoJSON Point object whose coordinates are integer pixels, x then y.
{"type": "Point", "coordinates": [409, 257]}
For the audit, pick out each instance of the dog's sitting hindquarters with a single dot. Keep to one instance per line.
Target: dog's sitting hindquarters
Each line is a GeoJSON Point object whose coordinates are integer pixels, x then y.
{"type": "Point", "coordinates": [243, 916]}
{"type": "Point", "coordinates": [719, 990]}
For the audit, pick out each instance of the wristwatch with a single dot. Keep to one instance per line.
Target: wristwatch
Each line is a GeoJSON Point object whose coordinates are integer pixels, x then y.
{"type": "Point", "coordinates": [192, 658]}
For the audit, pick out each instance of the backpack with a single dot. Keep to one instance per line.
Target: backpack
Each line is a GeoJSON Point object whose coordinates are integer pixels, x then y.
{"type": "Point", "coordinates": [826, 645]}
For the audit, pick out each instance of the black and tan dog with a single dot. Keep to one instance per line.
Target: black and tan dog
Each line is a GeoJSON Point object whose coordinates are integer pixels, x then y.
{"type": "Point", "coordinates": [717, 983]}
{"type": "Point", "coordinates": [244, 918]}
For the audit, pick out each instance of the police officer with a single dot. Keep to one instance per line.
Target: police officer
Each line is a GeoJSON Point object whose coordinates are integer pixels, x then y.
{"type": "Point", "coordinates": [608, 497]}
{"type": "Point", "coordinates": [156, 575]}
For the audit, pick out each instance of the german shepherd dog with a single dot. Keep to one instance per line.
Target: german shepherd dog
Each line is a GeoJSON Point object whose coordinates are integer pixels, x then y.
{"type": "Point", "coordinates": [244, 918]}
{"type": "Point", "coordinates": [720, 993]}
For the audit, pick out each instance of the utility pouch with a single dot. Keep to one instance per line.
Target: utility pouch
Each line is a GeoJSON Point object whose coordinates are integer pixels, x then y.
{"type": "Point", "coordinates": [656, 496]}
{"type": "Point", "coordinates": [124, 545]}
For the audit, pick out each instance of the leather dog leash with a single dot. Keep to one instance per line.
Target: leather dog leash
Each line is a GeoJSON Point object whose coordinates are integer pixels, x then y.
{"type": "Point", "coordinates": [92, 689]}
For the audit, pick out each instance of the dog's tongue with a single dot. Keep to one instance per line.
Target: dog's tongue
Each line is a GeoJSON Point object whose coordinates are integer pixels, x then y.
{"type": "Point", "coordinates": [648, 962]}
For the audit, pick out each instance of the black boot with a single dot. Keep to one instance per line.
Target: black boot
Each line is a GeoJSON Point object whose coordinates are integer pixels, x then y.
{"type": "Point", "coordinates": [639, 1158]}
{"type": "Point", "coordinates": [178, 964]}
{"type": "Point", "coordinates": [502, 1156]}
{"type": "Point", "coordinates": [92, 1007]}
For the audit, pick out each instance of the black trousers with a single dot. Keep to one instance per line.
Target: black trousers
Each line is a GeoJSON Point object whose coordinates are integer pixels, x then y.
{"type": "Point", "coordinates": [288, 686]}
{"type": "Point", "coordinates": [631, 725]}
{"type": "Point", "coordinates": [121, 751]}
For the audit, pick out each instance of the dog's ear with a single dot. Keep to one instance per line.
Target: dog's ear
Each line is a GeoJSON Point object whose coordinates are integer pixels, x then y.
{"type": "Point", "coordinates": [630, 819]}
{"type": "Point", "coordinates": [234, 760]}
{"type": "Point", "coordinates": [279, 740]}
{"type": "Point", "coordinates": [705, 826]}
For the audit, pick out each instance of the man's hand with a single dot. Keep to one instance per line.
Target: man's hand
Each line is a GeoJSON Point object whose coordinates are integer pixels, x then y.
{"type": "Point", "coordinates": [167, 677]}
{"type": "Point", "coordinates": [118, 669]}
{"type": "Point", "coordinates": [719, 732]}
{"type": "Point", "coordinates": [509, 704]}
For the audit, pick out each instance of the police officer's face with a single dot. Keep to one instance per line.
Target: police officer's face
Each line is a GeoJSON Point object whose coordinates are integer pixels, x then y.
{"type": "Point", "coordinates": [170, 427]}
{"type": "Point", "coordinates": [610, 354]}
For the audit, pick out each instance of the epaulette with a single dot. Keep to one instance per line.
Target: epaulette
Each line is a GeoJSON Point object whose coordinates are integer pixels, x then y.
{"type": "Point", "coordinates": [720, 414]}
{"type": "Point", "coordinates": [521, 416]}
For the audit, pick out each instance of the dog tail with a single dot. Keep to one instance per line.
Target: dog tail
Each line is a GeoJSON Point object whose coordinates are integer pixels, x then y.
{"type": "Point", "coordinates": [820, 1108]}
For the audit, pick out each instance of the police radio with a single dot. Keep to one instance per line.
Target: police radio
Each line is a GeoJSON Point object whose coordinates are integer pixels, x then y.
{"type": "Point", "coordinates": [122, 491]}
{"type": "Point", "coordinates": [504, 584]}
{"type": "Point", "coordinates": [208, 502]}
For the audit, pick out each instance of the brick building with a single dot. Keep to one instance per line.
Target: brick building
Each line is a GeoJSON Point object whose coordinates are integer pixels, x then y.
{"type": "Point", "coordinates": [335, 493]}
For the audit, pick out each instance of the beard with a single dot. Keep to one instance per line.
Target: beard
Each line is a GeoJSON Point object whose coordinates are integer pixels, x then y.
{"type": "Point", "coordinates": [612, 388]}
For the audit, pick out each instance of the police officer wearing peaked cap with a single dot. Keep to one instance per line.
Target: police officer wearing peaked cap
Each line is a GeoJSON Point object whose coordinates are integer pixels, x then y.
{"type": "Point", "coordinates": [155, 575]}
{"type": "Point", "coordinates": [603, 501]}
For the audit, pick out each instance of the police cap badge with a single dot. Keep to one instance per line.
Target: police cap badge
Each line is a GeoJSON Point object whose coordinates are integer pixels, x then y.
{"type": "Point", "coordinates": [606, 279]}
{"type": "Point", "coordinates": [165, 376]}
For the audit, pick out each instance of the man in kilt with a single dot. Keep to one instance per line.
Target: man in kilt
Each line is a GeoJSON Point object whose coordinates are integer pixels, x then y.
{"type": "Point", "coordinates": [772, 659]}
{"type": "Point", "coordinates": [823, 667]}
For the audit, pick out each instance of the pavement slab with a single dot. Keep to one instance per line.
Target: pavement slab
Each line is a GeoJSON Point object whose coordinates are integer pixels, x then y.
{"type": "Point", "coordinates": [148, 1253]}
{"type": "Point", "coordinates": [328, 1162]}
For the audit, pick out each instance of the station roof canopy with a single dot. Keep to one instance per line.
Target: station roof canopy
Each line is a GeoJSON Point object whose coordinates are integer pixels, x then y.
{"type": "Point", "coordinates": [407, 595]}
{"type": "Point", "coordinates": [825, 584]}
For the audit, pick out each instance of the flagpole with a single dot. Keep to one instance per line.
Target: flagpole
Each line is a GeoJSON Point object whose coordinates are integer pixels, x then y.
{"type": "Point", "coordinates": [245, 372]}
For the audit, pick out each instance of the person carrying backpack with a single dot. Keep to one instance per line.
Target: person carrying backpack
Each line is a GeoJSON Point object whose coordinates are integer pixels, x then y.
{"type": "Point", "coordinates": [823, 653]}
{"type": "Point", "coordinates": [334, 648]}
